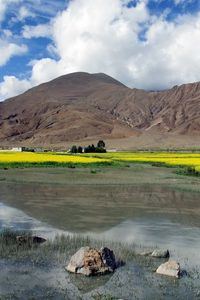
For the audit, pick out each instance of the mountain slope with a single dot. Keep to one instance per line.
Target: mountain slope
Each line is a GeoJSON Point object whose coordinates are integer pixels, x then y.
{"type": "Point", "coordinates": [58, 111]}
{"type": "Point", "coordinates": [82, 106]}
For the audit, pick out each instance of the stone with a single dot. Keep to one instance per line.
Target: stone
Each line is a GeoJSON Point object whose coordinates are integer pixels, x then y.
{"type": "Point", "coordinates": [145, 253]}
{"type": "Point", "coordinates": [170, 268]}
{"type": "Point", "coordinates": [91, 261]}
{"type": "Point", "coordinates": [160, 253]}
{"type": "Point", "coordinates": [29, 240]}
{"type": "Point", "coordinates": [77, 260]}
{"type": "Point", "coordinates": [108, 258]}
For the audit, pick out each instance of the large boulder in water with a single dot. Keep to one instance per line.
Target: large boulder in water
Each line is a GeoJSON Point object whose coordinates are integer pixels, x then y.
{"type": "Point", "coordinates": [170, 268]}
{"type": "Point", "coordinates": [91, 261]}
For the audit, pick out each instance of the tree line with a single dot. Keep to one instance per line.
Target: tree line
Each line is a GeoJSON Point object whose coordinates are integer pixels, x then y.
{"type": "Point", "coordinates": [99, 148]}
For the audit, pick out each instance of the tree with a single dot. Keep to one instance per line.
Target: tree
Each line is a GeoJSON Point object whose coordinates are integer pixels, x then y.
{"type": "Point", "coordinates": [73, 149]}
{"type": "Point", "coordinates": [99, 149]}
{"type": "Point", "coordinates": [80, 149]}
{"type": "Point", "coordinates": [101, 144]}
{"type": "Point", "coordinates": [92, 149]}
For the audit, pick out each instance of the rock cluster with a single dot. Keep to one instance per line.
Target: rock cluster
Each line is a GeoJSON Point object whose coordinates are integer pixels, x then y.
{"type": "Point", "coordinates": [92, 261]}
{"type": "Point", "coordinates": [169, 268]}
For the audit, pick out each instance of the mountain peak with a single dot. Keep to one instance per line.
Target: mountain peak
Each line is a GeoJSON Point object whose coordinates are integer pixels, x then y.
{"type": "Point", "coordinates": [84, 77]}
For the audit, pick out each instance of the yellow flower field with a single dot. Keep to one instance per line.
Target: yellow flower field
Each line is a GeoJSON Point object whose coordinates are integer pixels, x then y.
{"type": "Point", "coordinates": [31, 157]}
{"type": "Point", "coordinates": [168, 158]}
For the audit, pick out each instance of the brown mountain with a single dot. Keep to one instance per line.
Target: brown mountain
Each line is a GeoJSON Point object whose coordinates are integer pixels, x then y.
{"type": "Point", "coordinates": [82, 106]}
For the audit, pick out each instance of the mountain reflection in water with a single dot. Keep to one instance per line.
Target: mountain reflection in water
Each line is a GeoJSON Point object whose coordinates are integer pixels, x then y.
{"type": "Point", "coordinates": [183, 241]}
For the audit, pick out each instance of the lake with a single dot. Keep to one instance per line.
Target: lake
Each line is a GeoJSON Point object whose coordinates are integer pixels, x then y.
{"type": "Point", "coordinates": [151, 207]}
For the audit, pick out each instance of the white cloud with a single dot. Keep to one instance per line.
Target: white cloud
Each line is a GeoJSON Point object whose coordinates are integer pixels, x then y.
{"type": "Point", "coordinates": [24, 13]}
{"type": "Point", "coordinates": [2, 9]}
{"type": "Point", "coordinates": [177, 2]}
{"type": "Point", "coordinates": [10, 86]}
{"type": "Point", "coordinates": [8, 50]}
{"type": "Point", "coordinates": [95, 36]}
{"type": "Point", "coordinates": [42, 30]}
{"type": "Point", "coordinates": [104, 36]}
{"type": "Point", "coordinates": [44, 70]}
{"type": "Point", "coordinates": [4, 5]}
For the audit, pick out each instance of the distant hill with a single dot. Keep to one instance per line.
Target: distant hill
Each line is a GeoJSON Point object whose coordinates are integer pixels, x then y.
{"type": "Point", "coordinates": [83, 107]}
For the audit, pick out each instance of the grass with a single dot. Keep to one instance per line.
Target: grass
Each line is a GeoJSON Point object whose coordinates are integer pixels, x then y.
{"type": "Point", "coordinates": [61, 244]}
{"type": "Point", "coordinates": [188, 163]}
{"type": "Point", "coordinates": [189, 171]}
{"type": "Point", "coordinates": [16, 165]}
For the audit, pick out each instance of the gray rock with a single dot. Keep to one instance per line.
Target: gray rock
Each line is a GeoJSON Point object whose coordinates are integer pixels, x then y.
{"type": "Point", "coordinates": [29, 240]}
{"type": "Point", "coordinates": [91, 261]}
{"type": "Point", "coordinates": [160, 253]}
{"type": "Point", "coordinates": [108, 258]}
{"type": "Point", "coordinates": [170, 268]}
{"type": "Point", "coordinates": [146, 253]}
{"type": "Point", "coordinates": [77, 260]}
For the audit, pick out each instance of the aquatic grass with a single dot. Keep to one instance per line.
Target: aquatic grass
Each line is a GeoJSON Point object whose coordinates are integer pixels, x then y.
{"type": "Point", "coordinates": [62, 246]}
{"type": "Point", "coordinates": [8, 243]}
{"type": "Point", "coordinates": [69, 244]}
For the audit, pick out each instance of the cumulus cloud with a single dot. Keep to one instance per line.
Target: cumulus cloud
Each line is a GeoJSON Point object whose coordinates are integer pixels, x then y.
{"type": "Point", "coordinates": [105, 36]}
{"type": "Point", "coordinates": [10, 86]}
{"type": "Point", "coordinates": [8, 50]}
{"type": "Point", "coordinates": [96, 36]}
{"type": "Point", "coordinates": [44, 70]}
{"type": "Point", "coordinates": [138, 48]}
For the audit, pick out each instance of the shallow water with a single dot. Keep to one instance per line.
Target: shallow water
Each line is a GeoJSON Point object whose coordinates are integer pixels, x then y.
{"type": "Point", "coordinates": [149, 216]}
{"type": "Point", "coordinates": [109, 205]}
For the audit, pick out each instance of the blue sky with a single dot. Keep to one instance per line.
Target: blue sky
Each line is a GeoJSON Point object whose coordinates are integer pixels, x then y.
{"type": "Point", "coordinates": [145, 44]}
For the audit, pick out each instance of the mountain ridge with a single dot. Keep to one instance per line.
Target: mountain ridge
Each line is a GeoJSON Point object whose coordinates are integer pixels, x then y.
{"type": "Point", "coordinates": [82, 106]}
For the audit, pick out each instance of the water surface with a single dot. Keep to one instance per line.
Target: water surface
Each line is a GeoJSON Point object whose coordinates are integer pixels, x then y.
{"type": "Point", "coordinates": [148, 215]}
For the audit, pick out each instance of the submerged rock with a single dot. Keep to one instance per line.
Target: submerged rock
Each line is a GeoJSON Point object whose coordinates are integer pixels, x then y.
{"type": "Point", "coordinates": [160, 253]}
{"type": "Point", "coordinates": [29, 240]}
{"type": "Point", "coordinates": [91, 261]}
{"type": "Point", "coordinates": [146, 253]}
{"type": "Point", "coordinates": [156, 253]}
{"type": "Point", "coordinates": [170, 268]}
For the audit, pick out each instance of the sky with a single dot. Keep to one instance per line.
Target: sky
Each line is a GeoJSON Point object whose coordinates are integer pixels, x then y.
{"type": "Point", "coordinates": [145, 44]}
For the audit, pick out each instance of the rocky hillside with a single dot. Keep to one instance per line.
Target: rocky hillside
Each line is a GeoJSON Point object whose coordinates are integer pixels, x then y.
{"type": "Point", "coordinates": [82, 106]}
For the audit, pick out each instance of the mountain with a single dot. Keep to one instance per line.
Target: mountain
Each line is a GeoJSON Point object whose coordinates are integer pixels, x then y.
{"type": "Point", "coordinates": [84, 107]}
